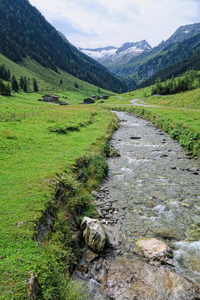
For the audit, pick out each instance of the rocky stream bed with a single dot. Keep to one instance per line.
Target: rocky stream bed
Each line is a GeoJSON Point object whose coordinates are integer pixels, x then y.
{"type": "Point", "coordinates": [152, 194]}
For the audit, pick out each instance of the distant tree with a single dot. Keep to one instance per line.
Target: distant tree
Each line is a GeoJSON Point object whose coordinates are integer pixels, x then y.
{"type": "Point", "coordinates": [15, 85]}
{"type": "Point", "coordinates": [75, 84]}
{"type": "Point", "coordinates": [61, 81]}
{"type": "Point", "coordinates": [21, 83]}
{"type": "Point", "coordinates": [5, 89]}
{"type": "Point", "coordinates": [4, 73]}
{"type": "Point", "coordinates": [35, 85]}
{"type": "Point", "coordinates": [25, 89]}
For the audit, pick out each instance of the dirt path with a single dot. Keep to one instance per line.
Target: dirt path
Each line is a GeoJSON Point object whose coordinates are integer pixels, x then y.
{"type": "Point", "coordinates": [142, 103]}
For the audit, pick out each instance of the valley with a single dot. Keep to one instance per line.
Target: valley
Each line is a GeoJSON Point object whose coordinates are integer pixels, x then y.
{"type": "Point", "coordinates": [124, 150]}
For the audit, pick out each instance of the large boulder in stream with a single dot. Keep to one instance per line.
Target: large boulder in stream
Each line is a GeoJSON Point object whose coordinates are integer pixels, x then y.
{"type": "Point", "coordinates": [94, 234]}
{"type": "Point", "coordinates": [125, 279]}
{"type": "Point", "coordinates": [154, 249]}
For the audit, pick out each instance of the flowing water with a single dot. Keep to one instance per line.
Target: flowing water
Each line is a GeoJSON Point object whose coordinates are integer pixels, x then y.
{"type": "Point", "coordinates": [152, 190]}
{"type": "Point", "coordinates": [155, 188]}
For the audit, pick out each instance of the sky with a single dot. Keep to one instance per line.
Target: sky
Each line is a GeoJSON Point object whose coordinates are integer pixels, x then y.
{"type": "Point", "coordinates": [101, 23]}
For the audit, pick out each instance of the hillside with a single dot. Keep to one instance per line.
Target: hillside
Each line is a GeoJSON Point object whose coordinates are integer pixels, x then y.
{"type": "Point", "coordinates": [25, 32]}
{"type": "Point", "coordinates": [168, 57]}
{"type": "Point", "coordinates": [49, 81]}
{"type": "Point", "coordinates": [190, 63]}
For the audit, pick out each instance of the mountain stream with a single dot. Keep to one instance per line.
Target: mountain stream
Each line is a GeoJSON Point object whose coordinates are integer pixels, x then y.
{"type": "Point", "coordinates": [152, 191]}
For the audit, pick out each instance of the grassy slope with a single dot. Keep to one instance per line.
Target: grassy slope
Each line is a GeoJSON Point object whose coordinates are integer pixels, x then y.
{"type": "Point", "coordinates": [177, 114]}
{"type": "Point", "coordinates": [31, 155]}
{"type": "Point", "coordinates": [49, 81]}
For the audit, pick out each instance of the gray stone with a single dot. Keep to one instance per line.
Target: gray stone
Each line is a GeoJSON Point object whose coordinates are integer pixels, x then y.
{"type": "Point", "coordinates": [94, 234]}
{"type": "Point", "coordinates": [33, 286]}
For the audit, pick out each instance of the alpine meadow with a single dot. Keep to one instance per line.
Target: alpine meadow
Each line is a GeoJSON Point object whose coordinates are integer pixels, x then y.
{"type": "Point", "coordinates": [59, 113]}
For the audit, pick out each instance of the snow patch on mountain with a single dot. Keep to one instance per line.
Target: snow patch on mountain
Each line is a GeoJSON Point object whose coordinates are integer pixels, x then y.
{"type": "Point", "coordinates": [112, 54]}
{"type": "Point", "coordinates": [99, 54]}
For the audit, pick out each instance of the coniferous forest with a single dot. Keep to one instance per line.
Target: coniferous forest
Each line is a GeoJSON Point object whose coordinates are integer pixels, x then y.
{"type": "Point", "coordinates": [189, 81]}
{"type": "Point", "coordinates": [24, 31]}
{"type": "Point", "coordinates": [9, 83]}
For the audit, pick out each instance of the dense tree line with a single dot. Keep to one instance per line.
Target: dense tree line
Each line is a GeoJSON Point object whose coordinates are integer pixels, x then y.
{"type": "Point", "coordinates": [12, 84]}
{"type": "Point", "coordinates": [190, 63]}
{"type": "Point", "coordinates": [24, 31]}
{"type": "Point", "coordinates": [189, 81]}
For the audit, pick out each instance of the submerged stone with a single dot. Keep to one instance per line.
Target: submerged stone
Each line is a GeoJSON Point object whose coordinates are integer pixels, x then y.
{"type": "Point", "coordinates": [155, 249]}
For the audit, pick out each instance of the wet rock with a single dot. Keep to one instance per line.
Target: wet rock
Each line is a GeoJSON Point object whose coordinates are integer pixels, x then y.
{"type": "Point", "coordinates": [114, 239]}
{"type": "Point", "coordinates": [94, 234]}
{"type": "Point", "coordinates": [192, 169]}
{"type": "Point", "coordinates": [129, 279]}
{"type": "Point", "coordinates": [135, 137]}
{"type": "Point", "coordinates": [90, 256]}
{"type": "Point", "coordinates": [155, 249]}
{"type": "Point", "coordinates": [96, 290]}
{"type": "Point", "coordinates": [168, 233]}
{"type": "Point", "coordinates": [83, 268]}
{"type": "Point", "coordinates": [111, 296]}
{"type": "Point", "coordinates": [159, 195]}
{"type": "Point", "coordinates": [164, 155]}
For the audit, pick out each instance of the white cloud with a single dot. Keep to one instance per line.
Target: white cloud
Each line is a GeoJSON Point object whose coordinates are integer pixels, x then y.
{"type": "Point", "coordinates": [95, 23]}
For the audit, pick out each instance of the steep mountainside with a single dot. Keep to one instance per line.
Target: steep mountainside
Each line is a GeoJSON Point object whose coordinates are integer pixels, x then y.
{"type": "Point", "coordinates": [118, 56]}
{"type": "Point", "coordinates": [24, 31]}
{"type": "Point", "coordinates": [181, 45]}
{"type": "Point", "coordinates": [168, 58]}
{"type": "Point", "coordinates": [190, 63]}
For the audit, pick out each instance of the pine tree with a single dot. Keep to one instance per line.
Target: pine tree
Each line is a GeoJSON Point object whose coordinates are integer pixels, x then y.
{"type": "Point", "coordinates": [15, 85]}
{"type": "Point", "coordinates": [35, 85]}
{"type": "Point", "coordinates": [21, 83]}
{"type": "Point", "coordinates": [25, 89]}
{"type": "Point", "coordinates": [5, 89]}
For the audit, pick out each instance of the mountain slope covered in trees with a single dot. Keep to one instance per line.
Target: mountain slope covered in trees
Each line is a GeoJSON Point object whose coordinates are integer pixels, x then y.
{"type": "Point", "coordinates": [24, 31]}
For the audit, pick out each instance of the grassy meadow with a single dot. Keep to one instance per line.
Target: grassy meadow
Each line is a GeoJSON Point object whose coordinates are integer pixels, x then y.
{"type": "Point", "coordinates": [39, 141]}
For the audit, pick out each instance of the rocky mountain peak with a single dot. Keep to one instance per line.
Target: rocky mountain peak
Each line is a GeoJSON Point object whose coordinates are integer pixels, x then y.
{"type": "Point", "coordinates": [142, 45]}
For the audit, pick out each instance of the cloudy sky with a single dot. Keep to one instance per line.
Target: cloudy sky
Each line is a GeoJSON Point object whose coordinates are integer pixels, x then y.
{"type": "Point", "coordinates": [100, 23]}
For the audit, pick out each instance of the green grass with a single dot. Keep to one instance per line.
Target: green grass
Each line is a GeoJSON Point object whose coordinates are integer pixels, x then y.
{"type": "Point", "coordinates": [31, 155]}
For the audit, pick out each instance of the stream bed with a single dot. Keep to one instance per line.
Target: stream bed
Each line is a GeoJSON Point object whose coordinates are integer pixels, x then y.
{"type": "Point", "coordinates": [152, 191]}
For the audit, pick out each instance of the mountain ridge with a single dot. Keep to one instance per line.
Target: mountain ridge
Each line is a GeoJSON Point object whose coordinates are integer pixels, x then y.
{"type": "Point", "coordinates": [107, 55]}
{"type": "Point", "coordinates": [24, 31]}
{"type": "Point", "coordinates": [138, 68]}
